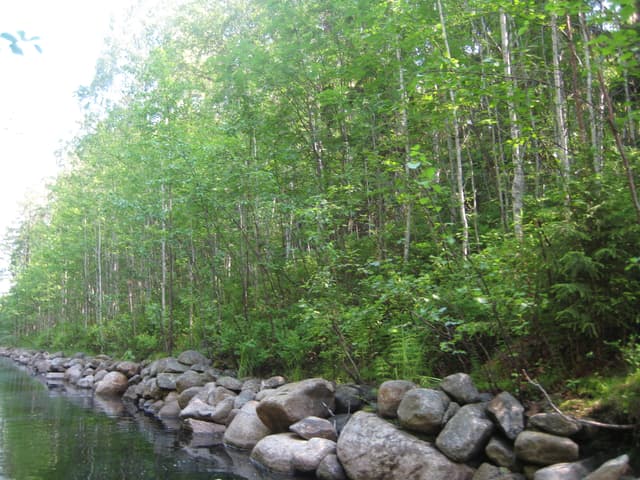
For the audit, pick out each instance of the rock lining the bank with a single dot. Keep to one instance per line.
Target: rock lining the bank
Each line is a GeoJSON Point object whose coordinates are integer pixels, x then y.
{"type": "Point", "coordinates": [452, 432]}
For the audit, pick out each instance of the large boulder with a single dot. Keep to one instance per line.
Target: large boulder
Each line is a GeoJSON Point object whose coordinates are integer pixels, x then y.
{"type": "Point", "coordinates": [246, 429]}
{"type": "Point", "coordinates": [501, 453]}
{"type": "Point", "coordinates": [349, 398]}
{"type": "Point", "coordinates": [187, 380]}
{"type": "Point", "coordinates": [295, 401]}
{"type": "Point", "coordinates": [461, 388]}
{"type": "Point", "coordinates": [508, 413]}
{"type": "Point", "coordinates": [390, 395]}
{"type": "Point", "coordinates": [167, 381]}
{"type": "Point", "coordinates": [466, 434]}
{"type": "Point", "coordinates": [370, 448]}
{"type": "Point", "coordinates": [128, 368]}
{"type": "Point", "coordinates": [287, 453]}
{"type": "Point", "coordinates": [545, 449]}
{"type": "Point", "coordinates": [230, 383]}
{"type": "Point", "coordinates": [486, 471]}
{"type": "Point", "coordinates": [203, 411]}
{"type": "Point", "coordinates": [423, 410]}
{"type": "Point", "coordinates": [74, 373]}
{"type": "Point", "coordinates": [113, 384]}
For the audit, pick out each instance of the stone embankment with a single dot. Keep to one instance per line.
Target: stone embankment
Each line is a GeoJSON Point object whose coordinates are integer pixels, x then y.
{"type": "Point", "coordinates": [452, 432]}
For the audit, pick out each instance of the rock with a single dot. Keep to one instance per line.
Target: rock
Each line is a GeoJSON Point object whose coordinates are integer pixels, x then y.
{"type": "Point", "coordinates": [460, 387]}
{"type": "Point", "coordinates": [545, 449]}
{"type": "Point", "coordinates": [170, 409]}
{"type": "Point", "coordinates": [171, 365]}
{"type": "Point", "coordinates": [273, 382]}
{"type": "Point", "coordinates": [349, 399]}
{"type": "Point", "coordinates": [86, 382]}
{"type": "Point", "coordinates": [486, 471]}
{"type": "Point", "coordinates": [55, 376]}
{"type": "Point", "coordinates": [611, 470]}
{"type": "Point", "coordinates": [246, 429]}
{"type": "Point", "coordinates": [191, 357]}
{"type": "Point", "coordinates": [508, 413]}
{"type": "Point", "coordinates": [99, 375]}
{"type": "Point", "coordinates": [390, 395]}
{"type": "Point", "coordinates": [295, 401]}
{"type": "Point", "coordinates": [187, 380]}
{"type": "Point", "coordinates": [42, 366]}
{"type": "Point", "coordinates": [73, 373]}
{"type": "Point", "coordinates": [339, 421]}
{"type": "Point", "coordinates": [287, 453]}
{"type": "Point", "coordinates": [167, 381]}
{"type": "Point", "coordinates": [466, 434]}
{"type": "Point", "coordinates": [229, 383]}
{"type": "Point", "coordinates": [555, 424]}
{"type": "Point", "coordinates": [311, 427]}
{"type": "Point", "coordinates": [203, 434]}
{"type": "Point", "coordinates": [252, 385]}
{"type": "Point", "coordinates": [203, 411]}
{"type": "Point", "coordinates": [565, 471]}
{"type": "Point", "coordinates": [451, 411]}
{"type": "Point", "coordinates": [370, 448]}
{"type": "Point", "coordinates": [113, 383]}
{"type": "Point", "coordinates": [128, 368]}
{"type": "Point", "coordinates": [501, 453]}
{"type": "Point", "coordinates": [330, 469]}
{"type": "Point", "coordinates": [186, 395]}
{"type": "Point", "coordinates": [423, 410]}
{"type": "Point", "coordinates": [150, 388]}
{"type": "Point", "coordinates": [243, 397]}
{"type": "Point", "coordinates": [218, 394]}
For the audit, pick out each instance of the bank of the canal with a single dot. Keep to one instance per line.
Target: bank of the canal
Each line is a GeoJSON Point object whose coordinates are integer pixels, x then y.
{"type": "Point", "coordinates": [54, 431]}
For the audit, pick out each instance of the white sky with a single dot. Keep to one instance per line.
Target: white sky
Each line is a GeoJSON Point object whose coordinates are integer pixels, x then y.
{"type": "Point", "coordinates": [38, 110]}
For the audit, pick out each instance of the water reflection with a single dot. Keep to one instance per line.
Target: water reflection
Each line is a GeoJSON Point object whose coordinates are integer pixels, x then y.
{"type": "Point", "coordinates": [57, 432]}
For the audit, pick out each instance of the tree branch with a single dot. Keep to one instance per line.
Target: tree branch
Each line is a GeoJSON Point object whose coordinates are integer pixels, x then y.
{"type": "Point", "coordinates": [583, 421]}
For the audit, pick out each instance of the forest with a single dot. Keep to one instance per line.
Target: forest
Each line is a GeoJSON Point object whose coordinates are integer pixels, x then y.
{"type": "Point", "coordinates": [360, 189]}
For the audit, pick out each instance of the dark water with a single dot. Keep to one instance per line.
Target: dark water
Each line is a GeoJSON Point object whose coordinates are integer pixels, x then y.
{"type": "Point", "coordinates": [54, 433]}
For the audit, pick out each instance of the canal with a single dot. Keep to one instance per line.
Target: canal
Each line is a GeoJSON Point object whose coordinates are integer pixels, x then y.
{"type": "Point", "coordinates": [51, 432]}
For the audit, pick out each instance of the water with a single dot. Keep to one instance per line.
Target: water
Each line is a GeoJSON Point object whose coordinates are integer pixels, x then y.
{"type": "Point", "coordinates": [56, 433]}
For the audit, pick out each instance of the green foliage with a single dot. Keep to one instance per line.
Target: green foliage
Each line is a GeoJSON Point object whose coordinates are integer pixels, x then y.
{"type": "Point", "coordinates": [278, 185]}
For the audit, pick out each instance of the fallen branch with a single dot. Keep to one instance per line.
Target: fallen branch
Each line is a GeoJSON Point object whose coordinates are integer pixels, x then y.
{"type": "Point", "coordinates": [569, 418]}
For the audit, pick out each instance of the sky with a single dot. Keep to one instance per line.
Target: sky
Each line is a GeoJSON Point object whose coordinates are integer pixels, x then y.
{"type": "Point", "coordinates": [38, 109]}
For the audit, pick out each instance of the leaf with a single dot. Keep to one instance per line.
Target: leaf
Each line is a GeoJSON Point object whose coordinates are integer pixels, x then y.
{"type": "Point", "coordinates": [9, 37]}
{"type": "Point", "coordinates": [16, 49]}
{"type": "Point", "coordinates": [413, 165]}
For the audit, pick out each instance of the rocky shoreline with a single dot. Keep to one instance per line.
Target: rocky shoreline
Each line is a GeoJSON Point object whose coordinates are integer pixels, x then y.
{"type": "Point", "coordinates": [336, 432]}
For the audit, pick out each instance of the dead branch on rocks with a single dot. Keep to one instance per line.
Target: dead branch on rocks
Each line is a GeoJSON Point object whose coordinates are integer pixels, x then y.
{"type": "Point", "coordinates": [583, 421]}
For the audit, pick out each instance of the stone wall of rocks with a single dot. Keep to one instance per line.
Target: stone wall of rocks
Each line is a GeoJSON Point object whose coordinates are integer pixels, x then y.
{"type": "Point", "coordinates": [452, 432]}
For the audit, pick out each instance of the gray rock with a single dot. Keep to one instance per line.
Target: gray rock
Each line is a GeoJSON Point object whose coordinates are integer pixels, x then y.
{"type": "Point", "coordinates": [555, 424]}
{"type": "Point", "coordinates": [461, 388]}
{"type": "Point", "coordinates": [246, 429]}
{"type": "Point", "coordinates": [252, 385]}
{"type": "Point", "coordinates": [423, 410]}
{"type": "Point", "coordinates": [167, 381]}
{"type": "Point", "coordinates": [545, 449]}
{"type": "Point", "coordinates": [466, 434]}
{"type": "Point", "coordinates": [86, 382]}
{"type": "Point", "coordinates": [486, 471]}
{"type": "Point", "coordinates": [565, 471]}
{"type": "Point", "coordinates": [170, 409]}
{"type": "Point", "coordinates": [311, 427]}
{"type": "Point", "coordinates": [370, 448]}
{"type": "Point", "coordinates": [186, 395]}
{"type": "Point", "coordinates": [501, 453]}
{"type": "Point", "coordinates": [187, 380]}
{"type": "Point", "coordinates": [287, 453]}
{"type": "Point", "coordinates": [611, 470]}
{"type": "Point", "coordinates": [99, 375]}
{"type": "Point", "coordinates": [42, 366]}
{"type": "Point", "coordinates": [295, 401]}
{"type": "Point", "coordinates": [330, 469]}
{"type": "Point", "coordinates": [203, 411]}
{"type": "Point", "coordinates": [128, 368]}
{"type": "Point", "coordinates": [171, 365]}
{"type": "Point", "coordinates": [55, 376]}
{"type": "Point", "coordinates": [113, 384]}
{"type": "Point", "coordinates": [229, 383]}
{"type": "Point", "coordinates": [273, 382]}
{"type": "Point", "coordinates": [191, 357]}
{"type": "Point", "coordinates": [151, 389]}
{"type": "Point", "coordinates": [390, 395]}
{"type": "Point", "coordinates": [349, 399]}
{"type": "Point", "coordinates": [243, 397]}
{"type": "Point", "coordinates": [203, 434]}
{"type": "Point", "coordinates": [218, 394]}
{"type": "Point", "coordinates": [74, 373]}
{"type": "Point", "coordinates": [508, 413]}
